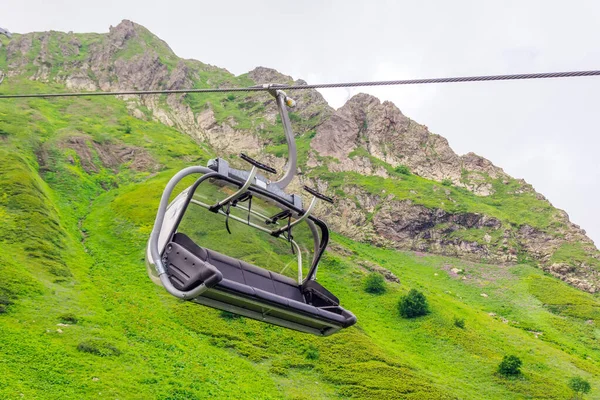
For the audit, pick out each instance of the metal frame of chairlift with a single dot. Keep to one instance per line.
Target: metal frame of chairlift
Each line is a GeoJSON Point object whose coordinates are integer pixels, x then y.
{"type": "Point", "coordinates": [326, 319]}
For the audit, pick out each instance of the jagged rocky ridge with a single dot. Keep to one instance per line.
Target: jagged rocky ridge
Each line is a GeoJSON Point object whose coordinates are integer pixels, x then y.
{"type": "Point", "coordinates": [365, 138]}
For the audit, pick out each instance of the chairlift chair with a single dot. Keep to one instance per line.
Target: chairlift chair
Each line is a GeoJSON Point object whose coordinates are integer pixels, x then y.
{"type": "Point", "coordinates": [238, 212]}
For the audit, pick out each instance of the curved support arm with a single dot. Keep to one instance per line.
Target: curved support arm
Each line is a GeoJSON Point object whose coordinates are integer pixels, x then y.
{"type": "Point", "coordinates": [154, 236]}
{"type": "Point", "coordinates": [240, 191]}
{"type": "Point", "coordinates": [289, 137]}
{"type": "Point", "coordinates": [189, 295]}
{"type": "Point", "coordinates": [277, 232]}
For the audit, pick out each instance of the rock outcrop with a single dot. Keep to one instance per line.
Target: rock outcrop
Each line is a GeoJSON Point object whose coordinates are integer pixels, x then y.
{"type": "Point", "coordinates": [381, 128]}
{"type": "Point", "coordinates": [366, 136]}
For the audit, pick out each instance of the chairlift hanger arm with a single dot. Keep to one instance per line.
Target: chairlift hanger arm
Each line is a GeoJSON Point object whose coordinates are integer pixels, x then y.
{"type": "Point", "coordinates": [283, 101]}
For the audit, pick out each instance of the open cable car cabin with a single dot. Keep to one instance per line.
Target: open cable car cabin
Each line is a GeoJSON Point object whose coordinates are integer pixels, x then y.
{"type": "Point", "coordinates": [238, 242]}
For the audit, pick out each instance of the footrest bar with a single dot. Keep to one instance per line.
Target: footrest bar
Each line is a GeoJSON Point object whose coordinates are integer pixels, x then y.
{"type": "Point", "coordinates": [257, 164]}
{"type": "Point", "coordinates": [318, 195]}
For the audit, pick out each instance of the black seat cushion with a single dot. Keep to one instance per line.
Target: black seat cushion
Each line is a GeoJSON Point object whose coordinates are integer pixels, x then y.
{"type": "Point", "coordinates": [257, 277]}
{"type": "Point", "coordinates": [251, 281]}
{"type": "Point", "coordinates": [229, 267]}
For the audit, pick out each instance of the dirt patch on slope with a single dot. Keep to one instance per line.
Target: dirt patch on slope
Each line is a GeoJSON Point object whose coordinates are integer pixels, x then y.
{"type": "Point", "coordinates": [93, 155]}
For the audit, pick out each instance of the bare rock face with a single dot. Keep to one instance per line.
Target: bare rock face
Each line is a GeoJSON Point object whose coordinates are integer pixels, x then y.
{"type": "Point", "coordinates": [16, 52]}
{"type": "Point", "coordinates": [414, 227]}
{"type": "Point", "coordinates": [380, 128]}
{"type": "Point", "coordinates": [224, 138]}
{"type": "Point", "coordinates": [310, 104]}
{"type": "Point", "coordinates": [362, 136]}
{"type": "Point", "coordinates": [144, 72]}
{"type": "Point", "coordinates": [262, 75]}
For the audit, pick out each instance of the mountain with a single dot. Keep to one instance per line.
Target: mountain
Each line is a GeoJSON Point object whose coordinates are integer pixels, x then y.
{"type": "Point", "coordinates": [81, 178]}
{"type": "Point", "coordinates": [465, 206]}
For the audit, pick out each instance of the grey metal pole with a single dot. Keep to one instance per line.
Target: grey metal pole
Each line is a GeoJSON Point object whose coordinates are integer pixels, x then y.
{"type": "Point", "coordinates": [290, 171]}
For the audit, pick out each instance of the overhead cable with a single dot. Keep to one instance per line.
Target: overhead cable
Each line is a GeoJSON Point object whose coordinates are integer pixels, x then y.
{"type": "Point", "coordinates": [258, 88]}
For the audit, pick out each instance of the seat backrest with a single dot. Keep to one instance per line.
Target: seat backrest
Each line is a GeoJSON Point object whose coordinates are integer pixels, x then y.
{"type": "Point", "coordinates": [189, 244]}
{"type": "Point", "coordinates": [186, 271]}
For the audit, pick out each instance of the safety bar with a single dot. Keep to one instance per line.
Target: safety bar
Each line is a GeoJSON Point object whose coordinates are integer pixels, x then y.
{"type": "Point", "coordinates": [279, 216]}
{"type": "Point", "coordinates": [239, 193]}
{"type": "Point", "coordinates": [316, 195]}
{"type": "Point", "coordinates": [305, 215]}
{"type": "Point", "coordinates": [236, 218]}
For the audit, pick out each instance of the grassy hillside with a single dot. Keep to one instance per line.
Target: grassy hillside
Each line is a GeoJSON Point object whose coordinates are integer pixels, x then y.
{"type": "Point", "coordinates": [80, 319]}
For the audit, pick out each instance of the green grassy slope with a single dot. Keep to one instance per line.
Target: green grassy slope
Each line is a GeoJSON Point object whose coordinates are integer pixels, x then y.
{"type": "Point", "coordinates": [72, 240]}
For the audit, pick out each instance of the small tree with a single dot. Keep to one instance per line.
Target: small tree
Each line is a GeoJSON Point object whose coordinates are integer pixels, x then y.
{"type": "Point", "coordinates": [510, 366]}
{"type": "Point", "coordinates": [459, 322]}
{"type": "Point", "coordinates": [414, 304]}
{"type": "Point", "coordinates": [311, 353]}
{"type": "Point", "coordinates": [402, 169]}
{"type": "Point", "coordinates": [580, 386]}
{"type": "Point", "coordinates": [374, 284]}
{"type": "Point", "coordinates": [447, 182]}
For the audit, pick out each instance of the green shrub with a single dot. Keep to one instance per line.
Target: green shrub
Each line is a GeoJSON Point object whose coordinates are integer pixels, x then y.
{"type": "Point", "coordinates": [510, 366]}
{"type": "Point", "coordinates": [579, 386]}
{"type": "Point", "coordinates": [228, 316]}
{"type": "Point", "coordinates": [447, 182]}
{"type": "Point", "coordinates": [4, 303]}
{"type": "Point", "coordinates": [414, 304]}
{"type": "Point", "coordinates": [375, 284]}
{"type": "Point", "coordinates": [68, 319]}
{"type": "Point", "coordinates": [402, 169]}
{"type": "Point", "coordinates": [98, 348]}
{"type": "Point", "coordinates": [311, 353]}
{"type": "Point", "coordinates": [459, 322]}
{"type": "Point", "coordinates": [230, 97]}
{"type": "Point", "coordinates": [278, 371]}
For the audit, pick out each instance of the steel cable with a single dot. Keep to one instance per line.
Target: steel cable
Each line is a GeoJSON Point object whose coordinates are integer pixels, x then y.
{"type": "Point", "coordinates": [483, 78]}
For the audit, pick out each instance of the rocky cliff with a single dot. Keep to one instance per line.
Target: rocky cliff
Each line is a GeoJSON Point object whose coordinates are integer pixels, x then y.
{"type": "Point", "coordinates": [396, 183]}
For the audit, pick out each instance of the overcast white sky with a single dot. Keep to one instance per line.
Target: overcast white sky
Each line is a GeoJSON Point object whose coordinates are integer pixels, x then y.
{"type": "Point", "coordinates": [543, 131]}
